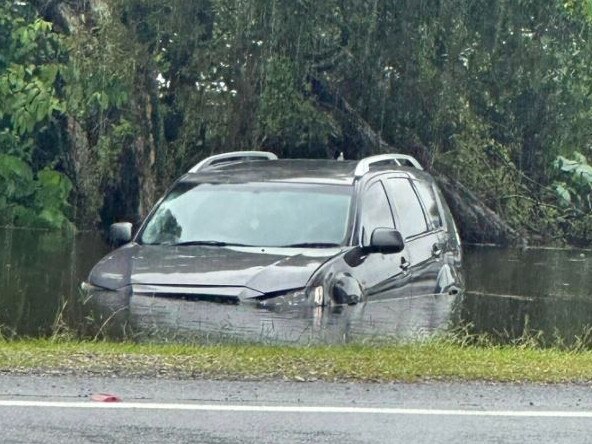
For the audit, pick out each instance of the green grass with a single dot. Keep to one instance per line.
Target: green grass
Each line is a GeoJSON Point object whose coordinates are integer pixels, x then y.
{"type": "Point", "coordinates": [435, 360]}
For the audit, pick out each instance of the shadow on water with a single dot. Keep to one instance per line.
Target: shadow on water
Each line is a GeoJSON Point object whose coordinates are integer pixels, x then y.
{"type": "Point", "coordinates": [509, 291]}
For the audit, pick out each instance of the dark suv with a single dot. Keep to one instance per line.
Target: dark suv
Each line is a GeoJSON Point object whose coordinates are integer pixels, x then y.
{"type": "Point", "coordinates": [246, 227]}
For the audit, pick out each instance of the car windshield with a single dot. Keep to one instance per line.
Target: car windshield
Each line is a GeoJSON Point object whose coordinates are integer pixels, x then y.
{"type": "Point", "coordinates": [261, 214]}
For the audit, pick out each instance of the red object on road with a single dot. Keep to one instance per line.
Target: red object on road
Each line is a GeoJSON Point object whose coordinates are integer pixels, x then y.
{"type": "Point", "coordinates": [105, 397]}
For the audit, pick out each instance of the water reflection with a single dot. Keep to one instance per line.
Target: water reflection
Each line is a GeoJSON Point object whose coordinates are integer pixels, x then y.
{"type": "Point", "coordinates": [509, 291]}
{"type": "Point", "coordinates": [39, 276]}
{"type": "Point", "coordinates": [516, 291]}
{"type": "Point", "coordinates": [403, 318]}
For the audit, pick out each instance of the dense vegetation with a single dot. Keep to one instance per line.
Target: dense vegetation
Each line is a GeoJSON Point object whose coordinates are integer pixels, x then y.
{"type": "Point", "coordinates": [103, 102]}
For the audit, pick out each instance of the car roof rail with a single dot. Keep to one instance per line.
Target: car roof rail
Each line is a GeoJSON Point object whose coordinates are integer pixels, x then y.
{"type": "Point", "coordinates": [235, 156]}
{"type": "Point", "coordinates": [363, 166]}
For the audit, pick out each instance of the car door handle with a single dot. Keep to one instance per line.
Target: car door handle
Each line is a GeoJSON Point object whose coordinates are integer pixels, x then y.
{"type": "Point", "coordinates": [404, 264]}
{"type": "Point", "coordinates": [436, 251]}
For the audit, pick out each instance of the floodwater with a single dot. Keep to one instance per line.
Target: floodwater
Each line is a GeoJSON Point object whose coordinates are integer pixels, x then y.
{"type": "Point", "coordinates": [509, 292]}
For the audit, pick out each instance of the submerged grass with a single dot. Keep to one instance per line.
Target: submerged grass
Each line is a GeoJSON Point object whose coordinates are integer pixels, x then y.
{"type": "Point", "coordinates": [435, 359]}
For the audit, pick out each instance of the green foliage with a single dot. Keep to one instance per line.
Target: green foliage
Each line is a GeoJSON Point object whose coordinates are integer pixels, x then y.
{"type": "Point", "coordinates": [28, 96]}
{"type": "Point", "coordinates": [494, 91]}
{"type": "Point", "coordinates": [109, 148]}
{"type": "Point", "coordinates": [32, 200]}
{"type": "Point", "coordinates": [582, 8]}
{"type": "Point", "coordinates": [99, 77]}
{"type": "Point", "coordinates": [576, 189]}
{"type": "Point", "coordinates": [29, 67]}
{"type": "Point", "coordinates": [30, 64]}
{"type": "Point", "coordinates": [573, 187]}
{"type": "Point", "coordinates": [289, 121]}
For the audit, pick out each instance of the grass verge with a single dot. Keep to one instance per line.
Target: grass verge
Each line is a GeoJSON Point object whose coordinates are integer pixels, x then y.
{"type": "Point", "coordinates": [436, 360]}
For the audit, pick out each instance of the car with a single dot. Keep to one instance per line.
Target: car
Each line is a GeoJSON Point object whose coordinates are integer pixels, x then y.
{"type": "Point", "coordinates": [249, 228]}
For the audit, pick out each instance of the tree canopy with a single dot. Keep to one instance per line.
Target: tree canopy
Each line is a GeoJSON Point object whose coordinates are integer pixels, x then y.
{"type": "Point", "coordinates": [104, 102]}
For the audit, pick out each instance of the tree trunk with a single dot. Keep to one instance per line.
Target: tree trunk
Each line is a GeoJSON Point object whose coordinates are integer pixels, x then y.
{"type": "Point", "coordinates": [81, 163]}
{"type": "Point", "coordinates": [476, 222]}
{"type": "Point", "coordinates": [144, 148]}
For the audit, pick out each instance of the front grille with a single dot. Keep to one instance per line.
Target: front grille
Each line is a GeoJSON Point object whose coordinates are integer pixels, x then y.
{"type": "Point", "coordinates": [216, 298]}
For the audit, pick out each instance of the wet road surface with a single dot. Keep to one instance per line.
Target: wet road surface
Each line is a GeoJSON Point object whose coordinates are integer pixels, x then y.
{"type": "Point", "coordinates": [58, 409]}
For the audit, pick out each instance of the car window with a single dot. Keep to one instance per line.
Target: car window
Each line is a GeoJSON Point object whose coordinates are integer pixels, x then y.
{"type": "Point", "coordinates": [409, 210]}
{"type": "Point", "coordinates": [428, 197]}
{"type": "Point", "coordinates": [447, 219]}
{"type": "Point", "coordinates": [258, 214]}
{"type": "Point", "coordinates": [376, 212]}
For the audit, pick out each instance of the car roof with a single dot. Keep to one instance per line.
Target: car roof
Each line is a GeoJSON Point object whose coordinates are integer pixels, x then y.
{"type": "Point", "coordinates": [319, 171]}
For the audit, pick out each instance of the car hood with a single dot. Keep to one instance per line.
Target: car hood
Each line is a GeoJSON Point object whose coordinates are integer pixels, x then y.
{"type": "Point", "coordinates": [264, 270]}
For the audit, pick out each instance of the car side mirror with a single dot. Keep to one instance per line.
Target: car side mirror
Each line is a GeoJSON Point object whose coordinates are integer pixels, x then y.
{"type": "Point", "coordinates": [386, 241]}
{"type": "Point", "coordinates": [120, 234]}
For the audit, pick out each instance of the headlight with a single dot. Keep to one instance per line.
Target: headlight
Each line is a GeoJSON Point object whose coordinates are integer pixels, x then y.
{"type": "Point", "coordinates": [102, 296]}
{"type": "Point", "coordinates": [313, 297]}
{"type": "Point", "coordinates": [91, 290]}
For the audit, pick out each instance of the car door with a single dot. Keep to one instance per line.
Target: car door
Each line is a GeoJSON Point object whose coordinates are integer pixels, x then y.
{"type": "Point", "coordinates": [438, 236]}
{"type": "Point", "coordinates": [381, 275]}
{"type": "Point", "coordinates": [421, 239]}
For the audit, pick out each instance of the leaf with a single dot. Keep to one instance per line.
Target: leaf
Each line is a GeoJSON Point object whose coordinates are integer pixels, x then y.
{"type": "Point", "coordinates": [103, 100]}
{"type": "Point", "coordinates": [585, 173]}
{"type": "Point", "coordinates": [563, 193]}
{"type": "Point", "coordinates": [566, 165]}
{"type": "Point", "coordinates": [53, 218]}
{"type": "Point", "coordinates": [14, 168]}
{"type": "Point", "coordinates": [56, 181]}
{"type": "Point", "coordinates": [580, 158]}
{"type": "Point", "coordinates": [48, 74]}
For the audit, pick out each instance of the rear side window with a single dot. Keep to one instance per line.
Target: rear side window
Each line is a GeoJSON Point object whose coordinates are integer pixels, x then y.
{"type": "Point", "coordinates": [408, 207]}
{"type": "Point", "coordinates": [376, 212]}
{"type": "Point", "coordinates": [428, 197]}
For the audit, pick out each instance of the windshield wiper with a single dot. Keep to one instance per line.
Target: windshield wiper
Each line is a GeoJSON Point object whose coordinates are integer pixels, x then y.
{"type": "Point", "coordinates": [312, 245]}
{"type": "Point", "coordinates": [210, 243]}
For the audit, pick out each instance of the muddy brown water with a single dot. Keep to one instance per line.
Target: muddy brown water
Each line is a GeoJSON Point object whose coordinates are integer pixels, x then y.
{"type": "Point", "coordinates": [508, 292]}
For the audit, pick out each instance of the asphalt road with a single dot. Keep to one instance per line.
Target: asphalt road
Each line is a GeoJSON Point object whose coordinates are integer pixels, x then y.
{"type": "Point", "coordinates": [57, 409]}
